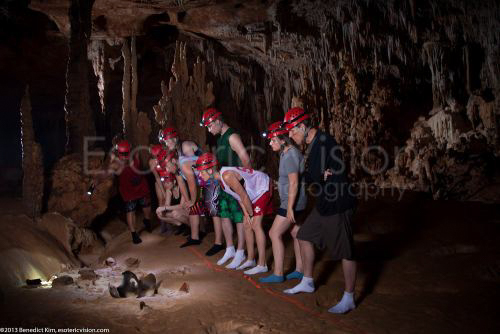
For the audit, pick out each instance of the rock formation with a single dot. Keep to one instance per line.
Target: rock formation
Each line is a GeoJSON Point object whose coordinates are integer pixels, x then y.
{"type": "Point", "coordinates": [79, 116]}
{"type": "Point", "coordinates": [409, 89]}
{"type": "Point", "coordinates": [184, 99]}
{"type": "Point", "coordinates": [71, 178]}
{"type": "Point", "coordinates": [33, 179]}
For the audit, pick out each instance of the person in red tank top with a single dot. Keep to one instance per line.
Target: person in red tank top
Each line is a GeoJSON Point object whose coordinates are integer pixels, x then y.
{"type": "Point", "coordinates": [132, 186]}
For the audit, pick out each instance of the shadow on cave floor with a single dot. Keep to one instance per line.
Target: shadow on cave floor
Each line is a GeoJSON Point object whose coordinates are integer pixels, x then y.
{"type": "Point", "coordinates": [424, 266]}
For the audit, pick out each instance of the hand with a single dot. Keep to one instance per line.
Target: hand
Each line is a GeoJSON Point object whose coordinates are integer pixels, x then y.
{"type": "Point", "coordinates": [327, 173]}
{"type": "Point", "coordinates": [290, 215]}
{"type": "Point", "coordinates": [160, 211]}
{"type": "Point", "coordinates": [188, 204]}
{"type": "Point", "coordinates": [249, 219]}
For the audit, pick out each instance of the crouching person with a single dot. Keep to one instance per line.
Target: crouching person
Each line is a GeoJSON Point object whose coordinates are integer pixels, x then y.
{"type": "Point", "coordinates": [171, 211]}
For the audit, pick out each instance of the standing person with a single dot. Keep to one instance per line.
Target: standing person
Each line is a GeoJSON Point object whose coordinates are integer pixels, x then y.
{"type": "Point", "coordinates": [132, 186]}
{"type": "Point", "coordinates": [252, 190]}
{"type": "Point", "coordinates": [329, 223]}
{"type": "Point", "coordinates": [186, 155]}
{"type": "Point", "coordinates": [292, 202]}
{"type": "Point", "coordinates": [230, 152]}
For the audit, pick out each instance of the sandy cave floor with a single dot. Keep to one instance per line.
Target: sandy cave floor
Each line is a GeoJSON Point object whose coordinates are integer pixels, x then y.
{"type": "Point", "coordinates": [425, 267]}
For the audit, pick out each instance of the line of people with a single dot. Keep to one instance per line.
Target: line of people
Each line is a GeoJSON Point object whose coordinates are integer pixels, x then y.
{"type": "Point", "coordinates": [190, 184]}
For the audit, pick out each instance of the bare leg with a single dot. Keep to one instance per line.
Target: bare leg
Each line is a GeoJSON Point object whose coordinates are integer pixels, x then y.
{"type": "Point", "coordinates": [240, 229]}
{"type": "Point", "coordinates": [227, 228]}
{"type": "Point", "coordinates": [217, 230]}
{"type": "Point", "coordinates": [349, 269]}
{"type": "Point", "coordinates": [147, 212]}
{"type": "Point", "coordinates": [194, 223]}
{"type": "Point", "coordinates": [296, 248]}
{"type": "Point", "coordinates": [280, 225]}
{"type": "Point", "coordinates": [307, 251]}
{"type": "Point", "coordinates": [260, 236]}
{"type": "Point", "coordinates": [347, 303]}
{"type": "Point", "coordinates": [249, 238]}
{"type": "Point", "coordinates": [131, 221]}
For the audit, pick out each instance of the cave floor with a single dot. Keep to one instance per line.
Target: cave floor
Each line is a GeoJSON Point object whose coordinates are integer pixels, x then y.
{"type": "Point", "coordinates": [425, 267]}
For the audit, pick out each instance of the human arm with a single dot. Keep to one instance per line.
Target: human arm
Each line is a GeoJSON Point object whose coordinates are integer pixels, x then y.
{"type": "Point", "coordinates": [191, 182]}
{"type": "Point", "coordinates": [232, 181]}
{"type": "Point", "coordinates": [237, 146]}
{"type": "Point", "coordinates": [182, 188]}
{"type": "Point", "coordinates": [153, 163]}
{"type": "Point", "coordinates": [293, 187]}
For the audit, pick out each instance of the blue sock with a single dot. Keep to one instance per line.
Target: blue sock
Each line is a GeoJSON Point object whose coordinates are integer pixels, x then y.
{"type": "Point", "coordinates": [294, 275]}
{"type": "Point", "coordinates": [271, 279]}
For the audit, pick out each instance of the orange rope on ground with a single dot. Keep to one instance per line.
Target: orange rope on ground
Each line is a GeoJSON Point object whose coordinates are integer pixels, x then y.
{"type": "Point", "coordinates": [279, 295]}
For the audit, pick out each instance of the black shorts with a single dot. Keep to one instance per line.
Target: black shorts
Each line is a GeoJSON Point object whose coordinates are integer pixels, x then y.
{"type": "Point", "coordinates": [333, 232]}
{"type": "Point", "coordinates": [283, 212]}
{"type": "Point", "coordinates": [144, 202]}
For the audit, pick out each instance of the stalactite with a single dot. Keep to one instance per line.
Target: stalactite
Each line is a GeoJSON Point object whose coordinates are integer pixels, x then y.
{"type": "Point", "coordinates": [32, 162]}
{"type": "Point", "coordinates": [184, 99]}
{"type": "Point", "coordinates": [433, 55]}
{"type": "Point", "coordinates": [79, 117]}
{"type": "Point", "coordinates": [97, 54]}
{"type": "Point", "coordinates": [126, 117]}
{"type": "Point", "coordinates": [134, 86]}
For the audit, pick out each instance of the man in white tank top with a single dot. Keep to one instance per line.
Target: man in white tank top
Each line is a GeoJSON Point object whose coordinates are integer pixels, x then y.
{"type": "Point", "coordinates": [255, 199]}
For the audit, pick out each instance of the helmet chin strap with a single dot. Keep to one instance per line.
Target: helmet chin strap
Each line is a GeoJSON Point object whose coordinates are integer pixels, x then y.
{"type": "Point", "coordinates": [306, 132]}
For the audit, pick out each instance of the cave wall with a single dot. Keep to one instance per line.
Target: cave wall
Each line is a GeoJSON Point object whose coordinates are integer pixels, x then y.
{"type": "Point", "coordinates": [409, 89]}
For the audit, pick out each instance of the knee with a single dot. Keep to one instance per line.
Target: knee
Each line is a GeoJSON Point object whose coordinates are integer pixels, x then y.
{"type": "Point", "coordinates": [273, 234]}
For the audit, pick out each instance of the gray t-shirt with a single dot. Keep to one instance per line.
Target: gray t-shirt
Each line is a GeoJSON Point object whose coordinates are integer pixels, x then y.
{"type": "Point", "coordinates": [291, 161]}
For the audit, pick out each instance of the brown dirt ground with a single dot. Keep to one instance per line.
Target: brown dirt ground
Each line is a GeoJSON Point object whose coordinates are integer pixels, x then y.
{"type": "Point", "coordinates": [425, 267]}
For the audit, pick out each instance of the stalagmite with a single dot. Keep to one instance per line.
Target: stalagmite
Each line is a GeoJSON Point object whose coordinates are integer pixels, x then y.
{"type": "Point", "coordinates": [33, 178]}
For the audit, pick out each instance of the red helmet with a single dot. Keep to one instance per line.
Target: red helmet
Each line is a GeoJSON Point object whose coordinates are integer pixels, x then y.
{"type": "Point", "coordinates": [210, 115]}
{"type": "Point", "coordinates": [123, 149]}
{"type": "Point", "coordinates": [155, 150]}
{"type": "Point", "coordinates": [294, 117]}
{"type": "Point", "coordinates": [206, 161]}
{"type": "Point", "coordinates": [274, 130]}
{"type": "Point", "coordinates": [167, 133]}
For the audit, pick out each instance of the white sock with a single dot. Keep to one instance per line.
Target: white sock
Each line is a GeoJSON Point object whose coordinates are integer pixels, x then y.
{"type": "Point", "coordinates": [345, 305]}
{"type": "Point", "coordinates": [227, 255]}
{"type": "Point", "coordinates": [305, 285]}
{"type": "Point", "coordinates": [237, 259]}
{"type": "Point", "coordinates": [247, 264]}
{"type": "Point", "coordinates": [256, 270]}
